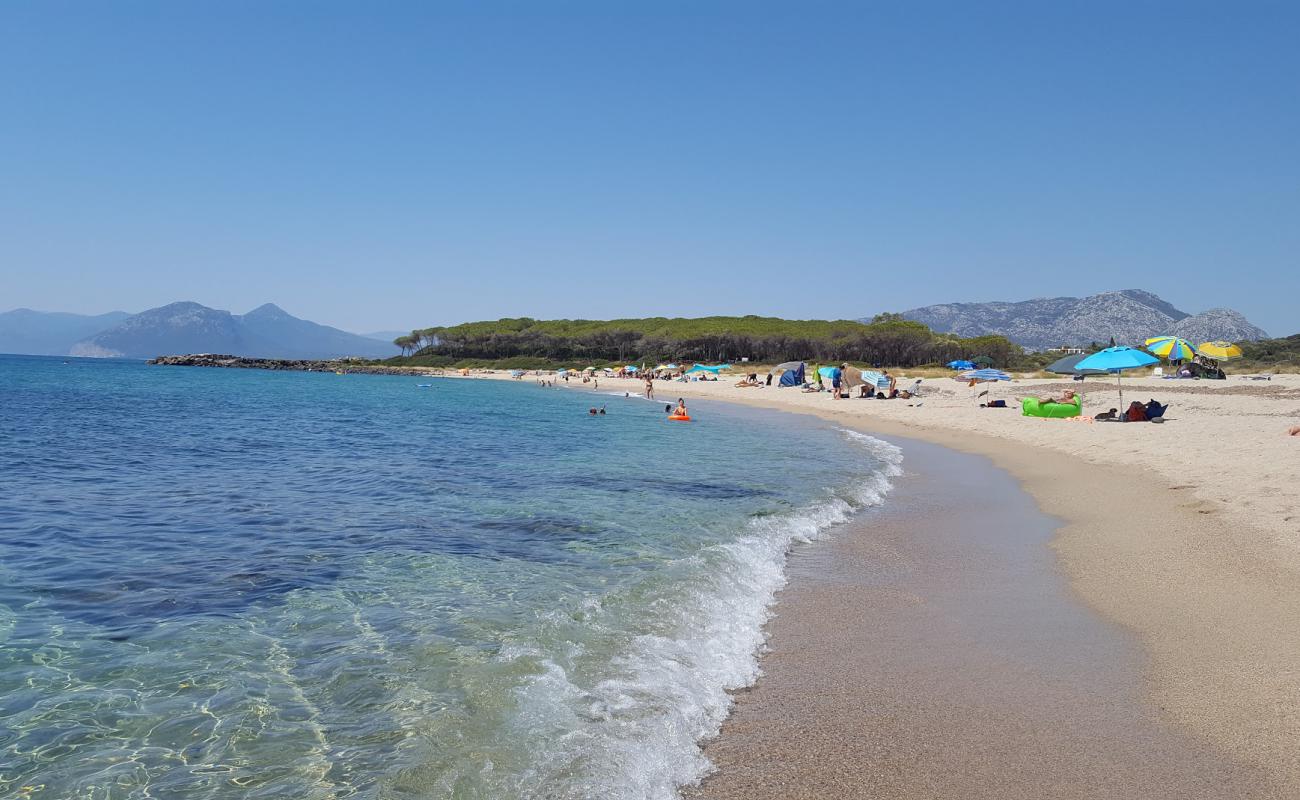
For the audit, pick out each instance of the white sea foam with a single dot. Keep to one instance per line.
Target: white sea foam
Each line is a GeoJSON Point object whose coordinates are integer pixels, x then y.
{"type": "Point", "coordinates": [637, 732]}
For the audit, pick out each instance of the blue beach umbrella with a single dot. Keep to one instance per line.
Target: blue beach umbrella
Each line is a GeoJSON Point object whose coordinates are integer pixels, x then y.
{"type": "Point", "coordinates": [984, 376]}
{"type": "Point", "coordinates": [1116, 360]}
{"type": "Point", "coordinates": [961, 364]}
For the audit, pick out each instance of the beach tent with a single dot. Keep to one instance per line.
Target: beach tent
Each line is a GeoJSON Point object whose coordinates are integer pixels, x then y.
{"type": "Point", "coordinates": [875, 379]}
{"type": "Point", "coordinates": [852, 377]}
{"type": "Point", "coordinates": [961, 364]}
{"type": "Point", "coordinates": [1116, 360]}
{"type": "Point", "coordinates": [630, 368]}
{"type": "Point", "coordinates": [1069, 366]}
{"type": "Point", "coordinates": [791, 373]}
{"type": "Point", "coordinates": [982, 361]}
{"type": "Point", "coordinates": [515, 373]}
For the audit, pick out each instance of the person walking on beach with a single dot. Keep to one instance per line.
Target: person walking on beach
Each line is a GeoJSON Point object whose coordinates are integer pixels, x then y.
{"type": "Point", "coordinates": [649, 388]}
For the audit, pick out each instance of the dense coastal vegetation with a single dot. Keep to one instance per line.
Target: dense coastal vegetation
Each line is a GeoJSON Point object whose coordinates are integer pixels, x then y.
{"type": "Point", "coordinates": [1271, 355]}
{"type": "Point", "coordinates": [888, 339]}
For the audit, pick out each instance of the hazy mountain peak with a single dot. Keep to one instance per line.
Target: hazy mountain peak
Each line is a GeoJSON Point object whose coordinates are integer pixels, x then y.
{"type": "Point", "coordinates": [1127, 315]}
{"type": "Point", "coordinates": [50, 333]}
{"type": "Point", "coordinates": [269, 311]}
{"type": "Point", "coordinates": [267, 331]}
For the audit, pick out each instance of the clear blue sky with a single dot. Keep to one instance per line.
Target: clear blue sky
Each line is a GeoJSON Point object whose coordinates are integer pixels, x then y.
{"type": "Point", "coordinates": [379, 165]}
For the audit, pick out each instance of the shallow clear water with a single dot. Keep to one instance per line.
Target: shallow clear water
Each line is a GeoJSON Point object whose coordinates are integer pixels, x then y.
{"type": "Point", "coordinates": [248, 584]}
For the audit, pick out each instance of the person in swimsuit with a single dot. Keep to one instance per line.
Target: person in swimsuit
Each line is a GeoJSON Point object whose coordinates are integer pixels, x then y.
{"type": "Point", "coordinates": [1067, 398]}
{"type": "Point", "coordinates": [680, 411]}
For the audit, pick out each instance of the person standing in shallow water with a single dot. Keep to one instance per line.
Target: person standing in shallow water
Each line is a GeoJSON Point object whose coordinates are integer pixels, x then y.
{"type": "Point", "coordinates": [649, 388]}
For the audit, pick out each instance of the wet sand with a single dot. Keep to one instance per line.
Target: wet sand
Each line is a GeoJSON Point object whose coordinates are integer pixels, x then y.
{"type": "Point", "coordinates": [935, 649]}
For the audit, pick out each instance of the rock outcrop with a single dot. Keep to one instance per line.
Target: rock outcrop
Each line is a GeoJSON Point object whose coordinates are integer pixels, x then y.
{"type": "Point", "coordinates": [227, 361]}
{"type": "Point", "coordinates": [1218, 324]}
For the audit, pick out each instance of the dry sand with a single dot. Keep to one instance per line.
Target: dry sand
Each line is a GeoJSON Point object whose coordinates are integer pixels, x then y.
{"type": "Point", "coordinates": [1186, 535]}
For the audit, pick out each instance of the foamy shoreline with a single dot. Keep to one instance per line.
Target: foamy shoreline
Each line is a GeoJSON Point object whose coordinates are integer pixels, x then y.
{"type": "Point", "coordinates": [1186, 534]}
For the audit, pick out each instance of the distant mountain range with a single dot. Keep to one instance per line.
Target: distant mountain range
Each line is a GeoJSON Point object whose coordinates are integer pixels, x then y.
{"type": "Point", "coordinates": [1129, 316]}
{"type": "Point", "coordinates": [265, 332]}
{"type": "Point", "coordinates": [42, 333]}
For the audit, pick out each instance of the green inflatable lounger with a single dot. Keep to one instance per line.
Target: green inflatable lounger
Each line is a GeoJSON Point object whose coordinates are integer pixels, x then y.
{"type": "Point", "coordinates": [1033, 407]}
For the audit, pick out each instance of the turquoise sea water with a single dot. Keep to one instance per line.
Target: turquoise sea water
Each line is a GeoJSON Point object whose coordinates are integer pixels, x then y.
{"type": "Point", "coordinates": [248, 584]}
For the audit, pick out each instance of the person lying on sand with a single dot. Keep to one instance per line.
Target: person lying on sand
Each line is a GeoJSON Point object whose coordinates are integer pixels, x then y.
{"type": "Point", "coordinates": [1068, 397]}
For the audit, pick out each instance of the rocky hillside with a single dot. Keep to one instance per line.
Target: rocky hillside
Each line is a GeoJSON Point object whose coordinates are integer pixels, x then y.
{"type": "Point", "coordinates": [1218, 323]}
{"type": "Point", "coordinates": [1129, 316]}
{"type": "Point", "coordinates": [265, 332]}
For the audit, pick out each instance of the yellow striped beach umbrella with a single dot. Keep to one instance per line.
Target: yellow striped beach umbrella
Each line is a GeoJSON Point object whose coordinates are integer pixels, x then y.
{"type": "Point", "coordinates": [1170, 347]}
{"type": "Point", "coordinates": [1219, 351]}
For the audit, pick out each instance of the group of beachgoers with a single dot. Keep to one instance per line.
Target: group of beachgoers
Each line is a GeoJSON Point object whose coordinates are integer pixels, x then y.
{"type": "Point", "coordinates": [1137, 411]}
{"type": "Point", "coordinates": [885, 389]}
{"type": "Point", "coordinates": [1198, 367]}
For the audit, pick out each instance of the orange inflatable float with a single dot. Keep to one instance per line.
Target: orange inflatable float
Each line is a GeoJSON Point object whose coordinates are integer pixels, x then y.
{"type": "Point", "coordinates": [679, 418]}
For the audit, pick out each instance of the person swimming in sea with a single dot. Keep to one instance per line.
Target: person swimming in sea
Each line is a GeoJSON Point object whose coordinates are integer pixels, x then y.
{"type": "Point", "coordinates": [680, 411]}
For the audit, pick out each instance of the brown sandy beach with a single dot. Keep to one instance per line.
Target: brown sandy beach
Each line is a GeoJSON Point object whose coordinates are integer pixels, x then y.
{"type": "Point", "coordinates": [1183, 538]}
{"type": "Point", "coordinates": [935, 651]}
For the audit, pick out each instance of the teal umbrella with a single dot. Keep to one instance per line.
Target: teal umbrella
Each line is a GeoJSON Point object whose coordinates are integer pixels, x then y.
{"type": "Point", "coordinates": [1116, 360]}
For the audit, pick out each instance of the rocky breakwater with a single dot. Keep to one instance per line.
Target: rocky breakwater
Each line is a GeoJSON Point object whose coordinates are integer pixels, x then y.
{"type": "Point", "coordinates": [299, 365]}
